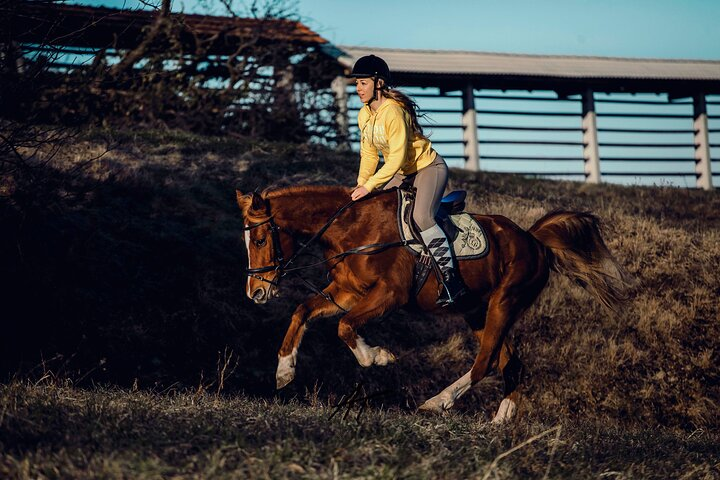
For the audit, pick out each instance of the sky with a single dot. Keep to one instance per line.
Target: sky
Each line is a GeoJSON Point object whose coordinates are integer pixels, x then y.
{"type": "Point", "coordinates": [625, 28]}
{"type": "Point", "coordinates": [619, 28]}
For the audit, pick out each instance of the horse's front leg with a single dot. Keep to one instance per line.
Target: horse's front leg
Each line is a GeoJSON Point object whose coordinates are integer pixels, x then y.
{"type": "Point", "coordinates": [377, 302]}
{"type": "Point", "coordinates": [317, 307]}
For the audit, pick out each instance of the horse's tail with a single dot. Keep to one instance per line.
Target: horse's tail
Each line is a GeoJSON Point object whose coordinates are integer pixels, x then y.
{"type": "Point", "coordinates": [577, 250]}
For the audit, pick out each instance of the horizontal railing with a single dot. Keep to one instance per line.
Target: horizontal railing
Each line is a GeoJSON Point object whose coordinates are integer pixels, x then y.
{"type": "Point", "coordinates": [516, 136]}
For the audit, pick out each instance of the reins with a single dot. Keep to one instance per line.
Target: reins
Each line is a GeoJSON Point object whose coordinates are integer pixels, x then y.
{"type": "Point", "coordinates": [319, 232]}
{"type": "Point", "coordinates": [283, 267]}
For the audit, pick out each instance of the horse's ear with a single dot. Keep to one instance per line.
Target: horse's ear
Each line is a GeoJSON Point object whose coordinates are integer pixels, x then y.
{"type": "Point", "coordinates": [243, 200]}
{"type": "Point", "coordinates": [257, 202]}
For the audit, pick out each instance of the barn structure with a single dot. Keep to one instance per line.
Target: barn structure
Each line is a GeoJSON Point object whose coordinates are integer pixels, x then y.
{"type": "Point", "coordinates": [586, 81]}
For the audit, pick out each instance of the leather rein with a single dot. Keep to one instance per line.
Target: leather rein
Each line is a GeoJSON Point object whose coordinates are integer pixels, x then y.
{"type": "Point", "coordinates": [283, 267]}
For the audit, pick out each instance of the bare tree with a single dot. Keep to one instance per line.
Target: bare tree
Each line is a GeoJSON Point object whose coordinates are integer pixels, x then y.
{"type": "Point", "coordinates": [266, 85]}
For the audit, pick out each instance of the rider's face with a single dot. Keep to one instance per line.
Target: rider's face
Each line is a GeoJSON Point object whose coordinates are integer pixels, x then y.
{"type": "Point", "coordinates": [364, 88]}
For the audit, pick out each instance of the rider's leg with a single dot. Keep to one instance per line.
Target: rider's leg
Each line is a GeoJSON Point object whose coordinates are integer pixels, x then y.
{"type": "Point", "coordinates": [438, 245]}
{"type": "Point", "coordinates": [430, 183]}
{"type": "Point", "coordinates": [395, 181]}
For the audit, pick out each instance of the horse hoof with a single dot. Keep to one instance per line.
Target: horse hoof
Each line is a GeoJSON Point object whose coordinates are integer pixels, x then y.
{"type": "Point", "coordinates": [431, 407]}
{"type": "Point", "coordinates": [505, 413]}
{"type": "Point", "coordinates": [282, 381]}
{"type": "Point", "coordinates": [383, 357]}
{"type": "Point", "coordinates": [286, 369]}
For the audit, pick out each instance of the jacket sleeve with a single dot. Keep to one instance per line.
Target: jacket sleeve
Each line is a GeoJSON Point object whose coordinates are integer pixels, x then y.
{"type": "Point", "coordinates": [397, 131]}
{"type": "Point", "coordinates": [369, 156]}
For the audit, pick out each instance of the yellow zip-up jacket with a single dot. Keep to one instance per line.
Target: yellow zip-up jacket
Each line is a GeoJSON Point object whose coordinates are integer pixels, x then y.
{"type": "Point", "coordinates": [388, 130]}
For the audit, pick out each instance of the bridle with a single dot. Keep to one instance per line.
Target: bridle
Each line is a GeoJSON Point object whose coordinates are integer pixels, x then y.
{"type": "Point", "coordinates": [282, 267]}
{"type": "Point", "coordinates": [278, 258]}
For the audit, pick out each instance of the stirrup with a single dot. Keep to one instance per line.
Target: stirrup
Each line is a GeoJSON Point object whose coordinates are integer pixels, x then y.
{"type": "Point", "coordinates": [452, 288]}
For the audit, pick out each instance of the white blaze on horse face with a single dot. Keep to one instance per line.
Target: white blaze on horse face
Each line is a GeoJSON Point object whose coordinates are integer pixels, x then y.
{"type": "Point", "coordinates": [247, 247]}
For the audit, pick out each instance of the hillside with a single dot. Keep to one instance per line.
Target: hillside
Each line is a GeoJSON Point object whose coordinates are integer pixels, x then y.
{"type": "Point", "coordinates": [128, 272]}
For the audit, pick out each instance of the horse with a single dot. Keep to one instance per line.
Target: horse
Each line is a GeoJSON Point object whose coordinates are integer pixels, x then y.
{"type": "Point", "coordinates": [502, 285]}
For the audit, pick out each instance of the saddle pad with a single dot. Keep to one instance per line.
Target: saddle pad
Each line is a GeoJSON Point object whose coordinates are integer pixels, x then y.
{"type": "Point", "coordinates": [470, 243]}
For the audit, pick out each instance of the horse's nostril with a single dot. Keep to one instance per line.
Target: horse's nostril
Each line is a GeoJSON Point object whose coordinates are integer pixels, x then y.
{"type": "Point", "coordinates": [258, 294]}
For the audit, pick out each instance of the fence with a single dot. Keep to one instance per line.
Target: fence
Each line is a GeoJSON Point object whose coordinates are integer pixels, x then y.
{"type": "Point", "coordinates": [619, 138]}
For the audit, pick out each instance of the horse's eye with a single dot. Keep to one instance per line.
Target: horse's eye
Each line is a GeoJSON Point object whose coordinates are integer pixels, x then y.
{"type": "Point", "coordinates": [261, 242]}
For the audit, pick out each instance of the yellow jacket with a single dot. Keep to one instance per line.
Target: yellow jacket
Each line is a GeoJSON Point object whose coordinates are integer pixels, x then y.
{"type": "Point", "coordinates": [388, 130]}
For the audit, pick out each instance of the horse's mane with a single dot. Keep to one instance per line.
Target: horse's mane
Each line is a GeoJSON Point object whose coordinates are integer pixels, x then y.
{"type": "Point", "coordinates": [309, 190]}
{"type": "Point", "coordinates": [277, 192]}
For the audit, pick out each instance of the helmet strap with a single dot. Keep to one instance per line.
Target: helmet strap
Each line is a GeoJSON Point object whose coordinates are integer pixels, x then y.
{"type": "Point", "coordinates": [375, 91]}
{"type": "Point", "coordinates": [374, 94]}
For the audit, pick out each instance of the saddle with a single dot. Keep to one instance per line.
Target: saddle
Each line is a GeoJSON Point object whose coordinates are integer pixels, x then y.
{"type": "Point", "coordinates": [466, 236]}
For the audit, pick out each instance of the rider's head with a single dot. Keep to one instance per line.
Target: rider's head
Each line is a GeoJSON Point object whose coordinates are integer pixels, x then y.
{"type": "Point", "coordinates": [373, 68]}
{"type": "Point", "coordinates": [374, 79]}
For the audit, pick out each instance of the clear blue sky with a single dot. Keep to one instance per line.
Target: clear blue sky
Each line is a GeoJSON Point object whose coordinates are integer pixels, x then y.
{"type": "Point", "coordinates": [624, 28]}
{"type": "Point", "coordinates": [628, 28]}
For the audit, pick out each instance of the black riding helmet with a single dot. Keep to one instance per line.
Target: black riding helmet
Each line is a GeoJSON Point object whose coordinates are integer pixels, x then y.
{"type": "Point", "coordinates": [371, 66]}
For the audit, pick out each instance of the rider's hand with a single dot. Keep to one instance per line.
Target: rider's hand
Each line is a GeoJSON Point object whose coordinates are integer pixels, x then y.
{"type": "Point", "coordinates": [359, 192]}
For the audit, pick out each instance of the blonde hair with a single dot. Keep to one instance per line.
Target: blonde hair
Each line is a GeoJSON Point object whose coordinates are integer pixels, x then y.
{"type": "Point", "coordinates": [408, 104]}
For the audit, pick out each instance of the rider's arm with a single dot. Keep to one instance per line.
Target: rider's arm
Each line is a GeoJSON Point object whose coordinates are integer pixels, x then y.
{"type": "Point", "coordinates": [397, 131]}
{"type": "Point", "coordinates": [369, 156]}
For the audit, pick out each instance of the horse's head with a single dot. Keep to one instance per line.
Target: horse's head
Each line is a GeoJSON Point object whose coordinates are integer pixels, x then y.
{"type": "Point", "coordinates": [264, 242]}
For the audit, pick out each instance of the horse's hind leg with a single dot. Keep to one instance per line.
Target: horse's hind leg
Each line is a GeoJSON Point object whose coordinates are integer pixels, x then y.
{"type": "Point", "coordinates": [372, 305]}
{"type": "Point", "coordinates": [511, 367]}
{"type": "Point", "coordinates": [495, 353]}
{"type": "Point", "coordinates": [506, 304]}
{"type": "Point", "coordinates": [508, 364]}
{"type": "Point", "coordinates": [316, 307]}
{"type": "Point", "coordinates": [446, 399]}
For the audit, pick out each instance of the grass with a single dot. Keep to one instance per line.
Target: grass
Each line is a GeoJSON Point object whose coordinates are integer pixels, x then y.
{"type": "Point", "coordinates": [53, 430]}
{"type": "Point", "coordinates": [130, 349]}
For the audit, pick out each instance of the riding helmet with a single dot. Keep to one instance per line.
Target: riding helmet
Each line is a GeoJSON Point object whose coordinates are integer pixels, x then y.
{"type": "Point", "coordinates": [371, 66]}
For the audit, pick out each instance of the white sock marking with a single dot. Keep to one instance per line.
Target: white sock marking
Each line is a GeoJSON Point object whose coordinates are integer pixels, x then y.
{"type": "Point", "coordinates": [362, 352]}
{"type": "Point", "coordinates": [286, 365]}
{"type": "Point", "coordinates": [505, 412]}
{"type": "Point", "coordinates": [446, 399]}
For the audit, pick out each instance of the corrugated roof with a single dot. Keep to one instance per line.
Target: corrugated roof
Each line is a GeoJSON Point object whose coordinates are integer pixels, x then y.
{"type": "Point", "coordinates": [567, 67]}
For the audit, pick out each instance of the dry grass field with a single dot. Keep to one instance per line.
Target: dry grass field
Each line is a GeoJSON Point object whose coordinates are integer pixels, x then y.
{"type": "Point", "coordinates": [130, 351]}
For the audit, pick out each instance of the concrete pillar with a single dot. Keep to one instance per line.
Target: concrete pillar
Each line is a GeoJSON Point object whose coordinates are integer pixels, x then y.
{"type": "Point", "coordinates": [703, 172]}
{"type": "Point", "coordinates": [470, 135]}
{"type": "Point", "coordinates": [339, 88]}
{"type": "Point", "coordinates": [591, 150]}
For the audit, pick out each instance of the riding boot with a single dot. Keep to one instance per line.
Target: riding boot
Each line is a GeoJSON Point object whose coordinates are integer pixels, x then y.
{"type": "Point", "coordinates": [439, 247]}
{"type": "Point", "coordinates": [453, 288]}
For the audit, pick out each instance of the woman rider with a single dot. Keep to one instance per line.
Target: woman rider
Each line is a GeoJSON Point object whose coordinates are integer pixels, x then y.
{"type": "Point", "coordinates": [388, 123]}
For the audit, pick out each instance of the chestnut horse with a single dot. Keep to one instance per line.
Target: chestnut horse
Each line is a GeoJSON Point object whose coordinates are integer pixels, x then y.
{"type": "Point", "coordinates": [502, 285]}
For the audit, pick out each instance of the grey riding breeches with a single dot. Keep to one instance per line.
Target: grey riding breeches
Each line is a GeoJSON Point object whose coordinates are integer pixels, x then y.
{"type": "Point", "coordinates": [430, 183]}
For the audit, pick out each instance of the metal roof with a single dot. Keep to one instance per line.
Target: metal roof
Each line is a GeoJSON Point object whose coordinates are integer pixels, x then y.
{"type": "Point", "coordinates": [413, 65]}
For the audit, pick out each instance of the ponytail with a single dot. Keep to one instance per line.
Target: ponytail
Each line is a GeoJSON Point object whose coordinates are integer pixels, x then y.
{"type": "Point", "coordinates": [408, 104]}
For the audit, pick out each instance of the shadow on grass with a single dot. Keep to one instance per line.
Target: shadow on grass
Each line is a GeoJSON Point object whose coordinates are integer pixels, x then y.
{"type": "Point", "coordinates": [138, 278]}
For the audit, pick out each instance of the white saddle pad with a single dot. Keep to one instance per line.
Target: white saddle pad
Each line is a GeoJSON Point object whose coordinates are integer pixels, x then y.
{"type": "Point", "coordinates": [471, 241]}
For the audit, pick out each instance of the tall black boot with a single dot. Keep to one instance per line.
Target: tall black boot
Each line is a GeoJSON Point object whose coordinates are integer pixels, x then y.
{"type": "Point", "coordinates": [439, 247]}
{"type": "Point", "coordinates": [453, 288]}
